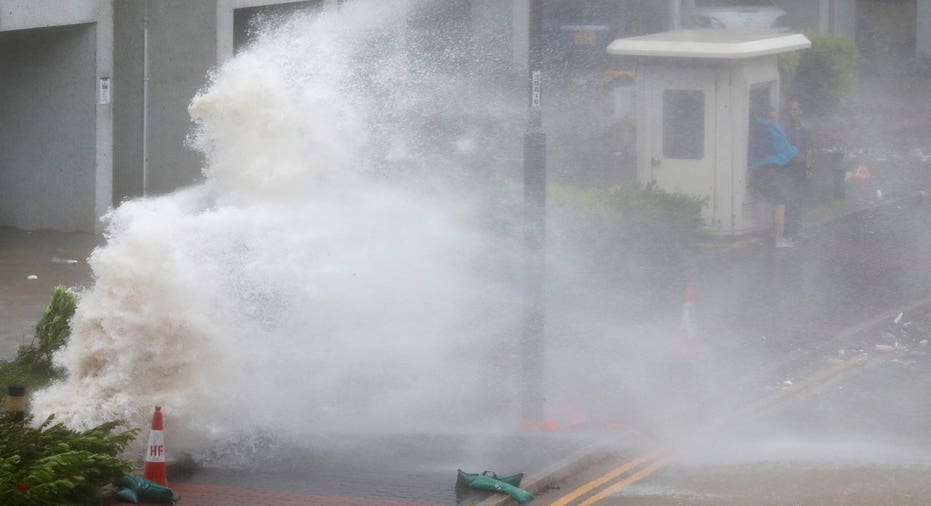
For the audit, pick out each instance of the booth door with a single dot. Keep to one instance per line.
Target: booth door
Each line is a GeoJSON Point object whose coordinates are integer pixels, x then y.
{"type": "Point", "coordinates": [681, 113]}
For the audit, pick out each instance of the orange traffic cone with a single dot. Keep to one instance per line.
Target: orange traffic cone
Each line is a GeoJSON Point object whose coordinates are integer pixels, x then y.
{"type": "Point", "coordinates": [690, 345]}
{"type": "Point", "coordinates": [688, 313]}
{"type": "Point", "coordinates": [155, 469]}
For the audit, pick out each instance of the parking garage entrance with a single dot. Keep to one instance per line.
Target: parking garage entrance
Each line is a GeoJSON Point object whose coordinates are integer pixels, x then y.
{"type": "Point", "coordinates": [48, 133]}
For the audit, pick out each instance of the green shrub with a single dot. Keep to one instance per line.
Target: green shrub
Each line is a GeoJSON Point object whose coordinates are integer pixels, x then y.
{"type": "Point", "coordinates": [646, 214]}
{"type": "Point", "coordinates": [631, 242]}
{"type": "Point", "coordinates": [826, 73]}
{"type": "Point", "coordinates": [787, 64]}
{"type": "Point", "coordinates": [51, 464]}
{"type": "Point", "coordinates": [33, 365]}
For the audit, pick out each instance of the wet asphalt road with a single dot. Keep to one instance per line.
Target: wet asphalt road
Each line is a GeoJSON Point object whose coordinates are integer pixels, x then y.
{"type": "Point", "coordinates": [765, 318]}
{"type": "Point", "coordinates": [827, 386]}
{"type": "Point", "coordinates": [859, 436]}
{"type": "Point", "coordinates": [399, 468]}
{"type": "Point", "coordinates": [858, 439]}
{"type": "Point", "coordinates": [53, 258]}
{"type": "Point", "coordinates": [797, 418]}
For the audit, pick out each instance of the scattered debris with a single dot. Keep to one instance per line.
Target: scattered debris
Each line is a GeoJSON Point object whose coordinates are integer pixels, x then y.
{"type": "Point", "coordinates": [898, 318]}
{"type": "Point", "coordinates": [860, 174]}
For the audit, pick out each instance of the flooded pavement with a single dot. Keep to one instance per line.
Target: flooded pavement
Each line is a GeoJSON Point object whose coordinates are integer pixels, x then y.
{"type": "Point", "coordinates": [850, 427]}
{"type": "Point", "coordinates": [32, 264]}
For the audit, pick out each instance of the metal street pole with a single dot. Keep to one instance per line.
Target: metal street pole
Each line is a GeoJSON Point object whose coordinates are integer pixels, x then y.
{"type": "Point", "coordinates": [534, 228]}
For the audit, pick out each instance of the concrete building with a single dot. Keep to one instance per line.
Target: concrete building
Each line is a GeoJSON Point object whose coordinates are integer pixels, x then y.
{"type": "Point", "coordinates": [95, 96]}
{"type": "Point", "coordinates": [163, 53]}
{"type": "Point", "coordinates": [95, 93]}
{"type": "Point", "coordinates": [56, 137]}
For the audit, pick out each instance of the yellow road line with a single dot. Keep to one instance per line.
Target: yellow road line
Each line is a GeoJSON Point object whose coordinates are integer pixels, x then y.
{"type": "Point", "coordinates": [814, 382]}
{"type": "Point", "coordinates": [610, 475]}
{"type": "Point", "coordinates": [639, 475]}
{"type": "Point", "coordinates": [818, 377]}
{"type": "Point", "coordinates": [818, 387]}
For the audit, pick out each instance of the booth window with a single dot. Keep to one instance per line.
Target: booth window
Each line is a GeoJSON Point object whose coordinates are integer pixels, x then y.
{"type": "Point", "coordinates": [684, 124]}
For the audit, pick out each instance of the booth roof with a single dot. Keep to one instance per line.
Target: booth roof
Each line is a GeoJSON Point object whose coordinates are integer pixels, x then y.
{"type": "Point", "coordinates": [713, 44]}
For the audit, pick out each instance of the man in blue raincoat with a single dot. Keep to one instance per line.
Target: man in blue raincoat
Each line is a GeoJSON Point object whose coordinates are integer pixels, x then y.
{"type": "Point", "coordinates": [770, 154]}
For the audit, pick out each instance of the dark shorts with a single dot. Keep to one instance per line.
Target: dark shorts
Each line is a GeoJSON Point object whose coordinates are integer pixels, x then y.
{"type": "Point", "coordinates": [775, 182]}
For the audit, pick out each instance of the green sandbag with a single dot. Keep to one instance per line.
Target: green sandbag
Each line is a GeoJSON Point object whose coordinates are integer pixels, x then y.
{"type": "Point", "coordinates": [127, 495]}
{"type": "Point", "coordinates": [148, 491]}
{"type": "Point", "coordinates": [487, 483]}
{"type": "Point", "coordinates": [463, 478]}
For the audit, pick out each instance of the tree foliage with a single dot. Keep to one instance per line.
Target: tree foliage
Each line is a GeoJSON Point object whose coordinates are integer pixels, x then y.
{"type": "Point", "coordinates": [33, 364]}
{"type": "Point", "coordinates": [54, 327]}
{"type": "Point", "coordinates": [826, 73]}
{"type": "Point", "coordinates": [787, 63]}
{"type": "Point", "coordinates": [51, 464]}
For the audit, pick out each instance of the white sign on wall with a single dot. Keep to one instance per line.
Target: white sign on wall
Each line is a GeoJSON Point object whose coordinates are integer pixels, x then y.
{"type": "Point", "coordinates": [103, 89]}
{"type": "Point", "coordinates": [537, 84]}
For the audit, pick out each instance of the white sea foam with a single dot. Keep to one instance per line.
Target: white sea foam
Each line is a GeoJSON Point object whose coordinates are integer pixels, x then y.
{"type": "Point", "coordinates": [300, 286]}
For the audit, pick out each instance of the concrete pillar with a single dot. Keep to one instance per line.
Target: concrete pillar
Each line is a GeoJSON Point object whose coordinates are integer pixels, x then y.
{"type": "Point", "coordinates": [844, 17]}
{"type": "Point", "coordinates": [129, 61]}
{"type": "Point", "coordinates": [675, 14]}
{"type": "Point", "coordinates": [103, 174]}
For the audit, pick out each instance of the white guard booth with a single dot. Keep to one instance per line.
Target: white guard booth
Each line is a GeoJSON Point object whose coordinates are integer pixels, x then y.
{"type": "Point", "coordinates": [694, 90]}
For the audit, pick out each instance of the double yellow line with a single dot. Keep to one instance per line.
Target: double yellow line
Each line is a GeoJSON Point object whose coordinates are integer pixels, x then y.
{"type": "Point", "coordinates": [648, 463]}
{"type": "Point", "coordinates": [616, 479]}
